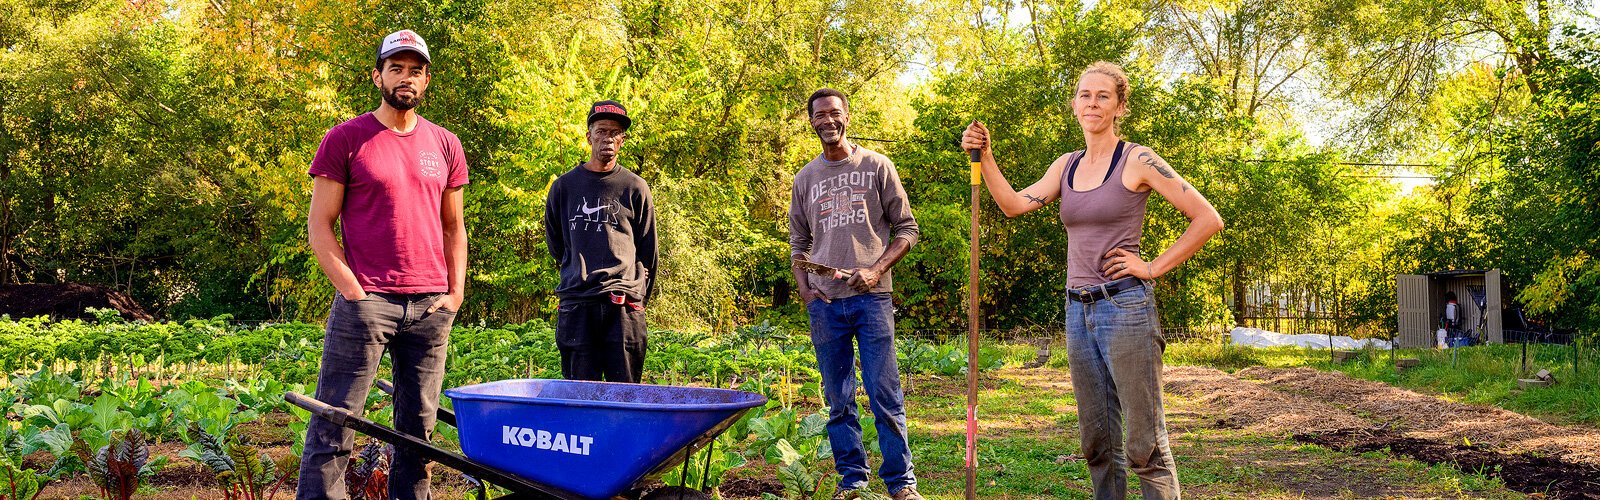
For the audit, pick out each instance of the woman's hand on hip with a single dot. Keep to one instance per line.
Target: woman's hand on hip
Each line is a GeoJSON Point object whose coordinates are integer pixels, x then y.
{"type": "Point", "coordinates": [1121, 263]}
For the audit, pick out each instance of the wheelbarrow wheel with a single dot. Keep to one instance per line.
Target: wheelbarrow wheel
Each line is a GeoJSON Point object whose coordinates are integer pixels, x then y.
{"type": "Point", "coordinates": [674, 493]}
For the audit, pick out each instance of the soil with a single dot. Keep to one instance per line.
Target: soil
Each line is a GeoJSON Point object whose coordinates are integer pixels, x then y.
{"type": "Point", "coordinates": [1348, 414]}
{"type": "Point", "coordinates": [180, 471]}
{"type": "Point", "coordinates": [269, 430]}
{"type": "Point", "coordinates": [1430, 417]}
{"type": "Point", "coordinates": [66, 301]}
{"type": "Point", "coordinates": [749, 488]}
{"type": "Point", "coordinates": [1524, 472]}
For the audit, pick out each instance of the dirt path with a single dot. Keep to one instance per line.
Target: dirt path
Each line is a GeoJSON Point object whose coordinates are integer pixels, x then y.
{"type": "Point", "coordinates": [1429, 417]}
{"type": "Point", "coordinates": [1362, 417]}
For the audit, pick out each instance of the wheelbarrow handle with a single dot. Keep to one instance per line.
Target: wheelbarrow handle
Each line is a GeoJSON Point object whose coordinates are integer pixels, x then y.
{"type": "Point", "coordinates": [446, 416]}
{"type": "Point", "coordinates": [336, 415]}
{"type": "Point", "coordinates": [522, 487]}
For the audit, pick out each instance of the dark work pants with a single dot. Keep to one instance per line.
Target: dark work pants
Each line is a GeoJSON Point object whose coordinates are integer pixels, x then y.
{"type": "Point", "coordinates": [357, 335]}
{"type": "Point", "coordinates": [600, 341]}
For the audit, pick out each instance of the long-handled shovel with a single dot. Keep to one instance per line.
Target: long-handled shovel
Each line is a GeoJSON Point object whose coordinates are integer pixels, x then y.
{"type": "Point", "coordinates": [972, 334]}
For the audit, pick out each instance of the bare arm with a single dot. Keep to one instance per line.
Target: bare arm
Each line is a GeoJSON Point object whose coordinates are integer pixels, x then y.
{"type": "Point", "coordinates": [1150, 170]}
{"type": "Point", "coordinates": [327, 197]}
{"type": "Point", "coordinates": [455, 249]}
{"type": "Point", "coordinates": [1011, 201]}
{"type": "Point", "coordinates": [897, 250]}
{"type": "Point", "coordinates": [864, 279]}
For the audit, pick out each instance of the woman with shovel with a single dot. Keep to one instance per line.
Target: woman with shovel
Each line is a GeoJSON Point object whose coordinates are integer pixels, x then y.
{"type": "Point", "coordinates": [1114, 342]}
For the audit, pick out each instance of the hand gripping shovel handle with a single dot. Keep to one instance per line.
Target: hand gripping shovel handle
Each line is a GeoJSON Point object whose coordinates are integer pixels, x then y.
{"type": "Point", "coordinates": [822, 270]}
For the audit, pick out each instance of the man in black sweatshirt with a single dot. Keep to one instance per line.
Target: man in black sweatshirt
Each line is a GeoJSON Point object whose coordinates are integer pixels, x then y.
{"type": "Point", "coordinates": [600, 225]}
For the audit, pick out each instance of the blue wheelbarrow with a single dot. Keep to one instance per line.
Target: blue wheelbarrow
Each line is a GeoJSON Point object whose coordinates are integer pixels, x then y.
{"type": "Point", "coordinates": [565, 439]}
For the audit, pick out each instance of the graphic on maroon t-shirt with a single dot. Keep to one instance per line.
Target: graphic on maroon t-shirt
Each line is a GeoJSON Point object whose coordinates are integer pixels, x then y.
{"type": "Point", "coordinates": [394, 190]}
{"type": "Point", "coordinates": [432, 164]}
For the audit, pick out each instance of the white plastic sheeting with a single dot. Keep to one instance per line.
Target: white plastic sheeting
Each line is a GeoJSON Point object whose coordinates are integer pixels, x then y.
{"type": "Point", "coordinates": [1256, 337]}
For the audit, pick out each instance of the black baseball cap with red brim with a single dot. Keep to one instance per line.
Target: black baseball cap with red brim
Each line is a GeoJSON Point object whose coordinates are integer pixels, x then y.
{"type": "Point", "coordinates": [610, 110]}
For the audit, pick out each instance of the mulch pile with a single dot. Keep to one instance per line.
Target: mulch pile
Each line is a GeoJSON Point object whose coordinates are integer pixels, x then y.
{"type": "Point", "coordinates": [1253, 407]}
{"type": "Point", "coordinates": [66, 301]}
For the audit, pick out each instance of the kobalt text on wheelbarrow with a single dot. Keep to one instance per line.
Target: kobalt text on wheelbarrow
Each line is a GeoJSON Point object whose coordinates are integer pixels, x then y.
{"type": "Point", "coordinates": [565, 439]}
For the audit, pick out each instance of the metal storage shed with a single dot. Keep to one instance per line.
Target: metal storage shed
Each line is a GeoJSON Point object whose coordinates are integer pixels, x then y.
{"type": "Point", "coordinates": [1421, 300]}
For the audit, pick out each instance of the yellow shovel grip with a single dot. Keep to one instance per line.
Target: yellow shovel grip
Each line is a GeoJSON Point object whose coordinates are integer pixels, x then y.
{"type": "Point", "coordinates": [977, 166]}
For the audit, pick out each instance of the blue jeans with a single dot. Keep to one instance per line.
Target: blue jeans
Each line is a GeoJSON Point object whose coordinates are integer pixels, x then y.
{"type": "Point", "coordinates": [1114, 349]}
{"type": "Point", "coordinates": [869, 320]}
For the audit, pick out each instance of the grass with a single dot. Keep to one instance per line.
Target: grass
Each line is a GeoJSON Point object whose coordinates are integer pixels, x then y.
{"type": "Point", "coordinates": [1024, 434]}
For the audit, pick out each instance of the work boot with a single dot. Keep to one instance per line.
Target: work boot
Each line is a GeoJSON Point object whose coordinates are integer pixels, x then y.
{"type": "Point", "coordinates": [907, 493]}
{"type": "Point", "coordinates": [846, 494]}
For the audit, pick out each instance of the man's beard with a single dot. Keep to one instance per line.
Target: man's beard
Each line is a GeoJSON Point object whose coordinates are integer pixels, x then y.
{"type": "Point", "coordinates": [836, 139]}
{"type": "Point", "coordinates": [402, 103]}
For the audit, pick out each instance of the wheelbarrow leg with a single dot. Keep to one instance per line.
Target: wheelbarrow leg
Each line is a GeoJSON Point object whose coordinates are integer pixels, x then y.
{"type": "Point", "coordinates": [522, 488]}
{"type": "Point", "coordinates": [705, 475]}
{"type": "Point", "coordinates": [683, 477]}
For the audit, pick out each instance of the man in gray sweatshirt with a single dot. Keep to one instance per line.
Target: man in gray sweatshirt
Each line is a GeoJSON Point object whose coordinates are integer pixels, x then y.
{"type": "Point", "coordinates": [848, 211]}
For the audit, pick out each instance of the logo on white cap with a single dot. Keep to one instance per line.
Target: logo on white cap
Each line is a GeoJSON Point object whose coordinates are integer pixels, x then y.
{"type": "Point", "coordinates": [403, 40]}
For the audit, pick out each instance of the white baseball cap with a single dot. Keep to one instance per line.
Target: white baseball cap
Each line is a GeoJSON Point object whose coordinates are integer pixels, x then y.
{"type": "Point", "coordinates": [401, 41]}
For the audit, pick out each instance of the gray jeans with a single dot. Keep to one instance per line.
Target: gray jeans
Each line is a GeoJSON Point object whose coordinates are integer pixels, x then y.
{"type": "Point", "coordinates": [1114, 349]}
{"type": "Point", "coordinates": [357, 335]}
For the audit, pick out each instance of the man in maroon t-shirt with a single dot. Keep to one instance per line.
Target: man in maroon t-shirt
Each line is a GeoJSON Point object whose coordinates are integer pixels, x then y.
{"type": "Point", "coordinates": [394, 182]}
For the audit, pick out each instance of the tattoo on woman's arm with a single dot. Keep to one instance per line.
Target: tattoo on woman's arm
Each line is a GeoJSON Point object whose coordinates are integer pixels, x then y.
{"type": "Point", "coordinates": [1158, 164]}
{"type": "Point", "coordinates": [1033, 198]}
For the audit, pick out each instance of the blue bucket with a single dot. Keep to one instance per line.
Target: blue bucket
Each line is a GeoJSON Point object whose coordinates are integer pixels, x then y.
{"type": "Point", "coordinates": [594, 439]}
{"type": "Point", "coordinates": [1458, 341]}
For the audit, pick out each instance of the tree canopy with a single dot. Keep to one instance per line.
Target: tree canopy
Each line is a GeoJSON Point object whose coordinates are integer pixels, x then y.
{"type": "Point", "coordinates": [161, 146]}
